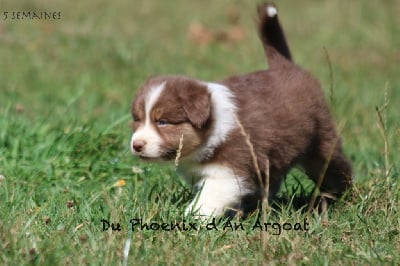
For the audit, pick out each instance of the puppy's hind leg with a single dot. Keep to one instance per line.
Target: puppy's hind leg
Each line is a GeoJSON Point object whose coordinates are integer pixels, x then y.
{"type": "Point", "coordinates": [330, 169]}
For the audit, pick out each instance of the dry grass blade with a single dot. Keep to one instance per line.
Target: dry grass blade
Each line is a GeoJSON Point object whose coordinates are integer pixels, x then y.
{"type": "Point", "coordinates": [127, 248]}
{"type": "Point", "coordinates": [328, 59]}
{"type": "Point", "coordinates": [251, 148]}
{"type": "Point", "coordinates": [265, 206]}
{"type": "Point", "coordinates": [179, 152]}
{"type": "Point", "coordinates": [382, 122]}
{"type": "Point", "coordinates": [264, 184]}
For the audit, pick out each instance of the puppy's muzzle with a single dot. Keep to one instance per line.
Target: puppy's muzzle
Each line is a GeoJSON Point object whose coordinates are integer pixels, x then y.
{"type": "Point", "coordinates": [138, 145]}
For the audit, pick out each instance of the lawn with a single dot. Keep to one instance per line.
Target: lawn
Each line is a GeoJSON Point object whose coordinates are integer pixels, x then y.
{"type": "Point", "coordinates": [71, 193]}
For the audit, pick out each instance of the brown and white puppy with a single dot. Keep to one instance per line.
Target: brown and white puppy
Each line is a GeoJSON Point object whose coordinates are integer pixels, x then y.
{"type": "Point", "coordinates": [282, 111]}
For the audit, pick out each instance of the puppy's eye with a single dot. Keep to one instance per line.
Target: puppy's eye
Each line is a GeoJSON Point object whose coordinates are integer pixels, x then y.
{"type": "Point", "coordinates": [136, 118]}
{"type": "Point", "coordinates": [162, 122]}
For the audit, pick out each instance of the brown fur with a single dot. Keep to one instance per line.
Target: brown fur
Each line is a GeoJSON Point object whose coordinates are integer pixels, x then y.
{"type": "Point", "coordinates": [285, 114]}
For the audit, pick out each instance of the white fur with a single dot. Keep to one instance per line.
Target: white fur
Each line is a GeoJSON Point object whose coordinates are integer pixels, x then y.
{"type": "Point", "coordinates": [271, 11]}
{"type": "Point", "coordinates": [148, 133]}
{"type": "Point", "coordinates": [224, 112]}
{"type": "Point", "coordinates": [220, 189]}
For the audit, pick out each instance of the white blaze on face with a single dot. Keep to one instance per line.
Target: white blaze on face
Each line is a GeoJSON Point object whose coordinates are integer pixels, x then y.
{"type": "Point", "coordinates": [147, 133]}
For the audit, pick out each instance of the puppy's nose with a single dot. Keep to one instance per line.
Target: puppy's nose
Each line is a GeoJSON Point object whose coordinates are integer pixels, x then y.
{"type": "Point", "coordinates": [138, 145]}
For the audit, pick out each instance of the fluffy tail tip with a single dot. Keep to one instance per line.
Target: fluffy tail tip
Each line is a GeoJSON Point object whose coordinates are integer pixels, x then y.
{"type": "Point", "coordinates": [272, 35]}
{"type": "Point", "coordinates": [271, 10]}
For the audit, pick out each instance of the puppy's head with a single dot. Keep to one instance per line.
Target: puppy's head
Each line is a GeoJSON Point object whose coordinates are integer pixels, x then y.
{"type": "Point", "coordinates": [165, 110]}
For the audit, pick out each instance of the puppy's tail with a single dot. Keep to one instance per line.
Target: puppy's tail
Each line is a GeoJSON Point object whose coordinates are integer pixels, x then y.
{"type": "Point", "coordinates": [272, 36]}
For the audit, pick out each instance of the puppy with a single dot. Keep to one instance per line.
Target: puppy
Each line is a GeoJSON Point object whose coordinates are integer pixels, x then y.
{"type": "Point", "coordinates": [236, 136]}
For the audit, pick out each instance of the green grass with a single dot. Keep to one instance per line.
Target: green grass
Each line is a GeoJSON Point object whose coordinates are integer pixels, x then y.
{"type": "Point", "coordinates": [65, 92]}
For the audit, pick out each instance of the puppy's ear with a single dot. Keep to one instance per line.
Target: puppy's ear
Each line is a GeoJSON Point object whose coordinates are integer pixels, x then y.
{"type": "Point", "coordinates": [196, 101]}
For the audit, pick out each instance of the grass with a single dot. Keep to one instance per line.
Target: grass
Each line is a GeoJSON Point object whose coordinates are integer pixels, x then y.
{"type": "Point", "coordinates": [65, 92]}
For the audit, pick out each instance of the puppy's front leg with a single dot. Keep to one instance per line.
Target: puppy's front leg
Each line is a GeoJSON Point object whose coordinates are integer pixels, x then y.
{"type": "Point", "coordinates": [220, 190]}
